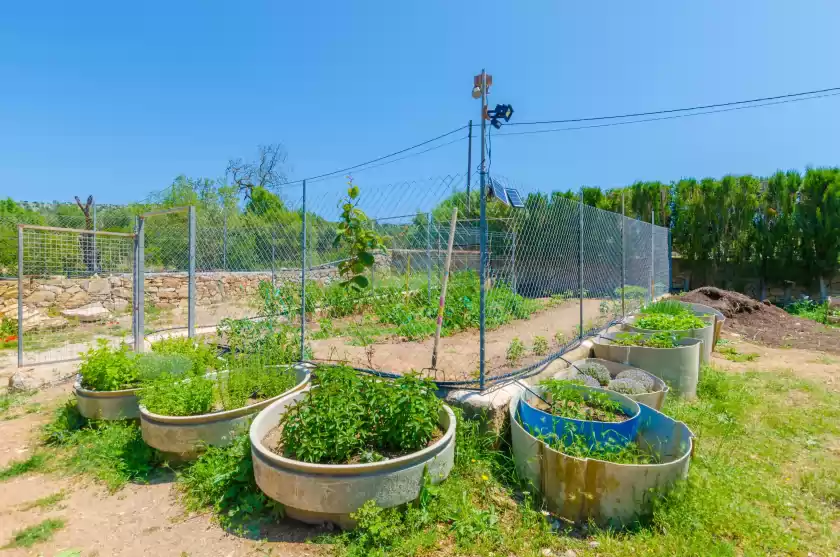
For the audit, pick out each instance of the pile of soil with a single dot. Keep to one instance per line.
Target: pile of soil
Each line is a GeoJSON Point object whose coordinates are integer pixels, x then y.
{"type": "Point", "coordinates": [765, 323]}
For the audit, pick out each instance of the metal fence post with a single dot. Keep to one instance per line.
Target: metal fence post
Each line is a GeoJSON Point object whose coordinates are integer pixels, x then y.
{"type": "Point", "coordinates": [469, 167]}
{"type": "Point", "coordinates": [95, 258]}
{"type": "Point", "coordinates": [273, 248]}
{"type": "Point", "coordinates": [429, 254]}
{"type": "Point", "coordinates": [20, 298]}
{"type": "Point", "coordinates": [513, 261]}
{"type": "Point", "coordinates": [580, 262]}
{"type": "Point", "coordinates": [191, 275]}
{"type": "Point", "coordinates": [670, 262]}
{"type": "Point", "coordinates": [623, 259]}
{"type": "Point", "coordinates": [373, 267]}
{"type": "Point", "coordinates": [139, 296]}
{"type": "Point", "coordinates": [303, 277]}
{"type": "Point", "coordinates": [224, 241]}
{"type": "Point", "coordinates": [652, 254]}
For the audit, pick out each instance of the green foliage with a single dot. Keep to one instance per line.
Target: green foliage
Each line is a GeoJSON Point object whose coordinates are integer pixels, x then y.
{"type": "Point", "coordinates": [666, 307]}
{"type": "Point", "coordinates": [223, 479]}
{"type": "Point", "coordinates": [272, 341]}
{"type": "Point", "coordinates": [356, 234]}
{"type": "Point", "coordinates": [107, 368]}
{"type": "Point", "coordinates": [515, 350]}
{"type": "Point", "coordinates": [540, 347]}
{"type": "Point", "coordinates": [596, 371]}
{"type": "Point", "coordinates": [567, 400]}
{"type": "Point", "coordinates": [733, 355]}
{"type": "Point", "coordinates": [174, 395]}
{"type": "Point", "coordinates": [580, 446]}
{"type": "Point", "coordinates": [41, 532]}
{"type": "Point", "coordinates": [665, 322]}
{"type": "Point", "coordinates": [656, 340]}
{"type": "Point", "coordinates": [202, 354]}
{"type": "Point", "coordinates": [150, 366]}
{"type": "Point", "coordinates": [347, 414]}
{"type": "Point", "coordinates": [19, 467]}
{"type": "Point", "coordinates": [811, 310]}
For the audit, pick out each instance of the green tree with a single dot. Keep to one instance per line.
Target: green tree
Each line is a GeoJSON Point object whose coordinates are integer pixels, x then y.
{"type": "Point", "coordinates": [818, 219]}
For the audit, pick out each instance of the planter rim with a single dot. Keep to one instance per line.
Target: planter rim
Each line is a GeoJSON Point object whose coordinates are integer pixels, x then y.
{"type": "Point", "coordinates": [514, 403]}
{"type": "Point", "coordinates": [664, 386]}
{"type": "Point", "coordinates": [265, 454]}
{"type": "Point", "coordinates": [225, 414]}
{"type": "Point", "coordinates": [683, 344]}
{"type": "Point", "coordinates": [77, 386]}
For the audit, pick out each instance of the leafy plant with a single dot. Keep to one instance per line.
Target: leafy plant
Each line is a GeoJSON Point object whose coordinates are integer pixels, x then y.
{"type": "Point", "coordinates": [567, 400]}
{"type": "Point", "coordinates": [202, 355]}
{"type": "Point", "coordinates": [326, 329]}
{"type": "Point", "coordinates": [150, 366]}
{"type": "Point", "coordinates": [669, 322]}
{"type": "Point", "coordinates": [666, 307]}
{"type": "Point", "coordinates": [733, 355]}
{"type": "Point", "coordinates": [560, 337]}
{"type": "Point", "coordinates": [610, 450]}
{"type": "Point", "coordinates": [357, 235]}
{"type": "Point", "coordinates": [656, 340]}
{"type": "Point", "coordinates": [515, 350]}
{"type": "Point", "coordinates": [540, 347]}
{"type": "Point", "coordinates": [175, 395]}
{"type": "Point", "coordinates": [105, 368]}
{"type": "Point", "coordinates": [346, 414]}
{"type": "Point", "coordinates": [223, 479]}
{"type": "Point", "coordinates": [274, 342]}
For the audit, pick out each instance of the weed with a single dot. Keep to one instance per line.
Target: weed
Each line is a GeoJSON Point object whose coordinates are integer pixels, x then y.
{"type": "Point", "coordinates": [809, 309]}
{"type": "Point", "coordinates": [826, 360]}
{"type": "Point", "coordinates": [223, 479]}
{"type": "Point", "coordinates": [16, 468]}
{"type": "Point", "coordinates": [346, 414]}
{"type": "Point", "coordinates": [560, 337]}
{"type": "Point", "coordinates": [515, 350]}
{"type": "Point", "coordinates": [326, 329]}
{"type": "Point", "coordinates": [41, 532]}
{"type": "Point", "coordinates": [44, 502]}
{"type": "Point", "coordinates": [540, 347]}
{"type": "Point", "coordinates": [733, 355]}
{"type": "Point", "coordinates": [274, 342]}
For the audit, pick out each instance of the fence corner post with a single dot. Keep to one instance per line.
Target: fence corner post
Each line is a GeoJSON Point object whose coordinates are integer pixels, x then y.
{"type": "Point", "coordinates": [191, 272]}
{"type": "Point", "coordinates": [303, 277]}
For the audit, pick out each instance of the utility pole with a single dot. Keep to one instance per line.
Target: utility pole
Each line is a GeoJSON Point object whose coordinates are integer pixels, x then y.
{"type": "Point", "coordinates": [482, 83]}
{"type": "Point", "coordinates": [469, 167]}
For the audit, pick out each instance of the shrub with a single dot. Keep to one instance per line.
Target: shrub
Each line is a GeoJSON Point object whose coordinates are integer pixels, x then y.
{"type": "Point", "coordinates": [596, 371]}
{"type": "Point", "coordinates": [150, 366]}
{"type": "Point", "coordinates": [274, 342]}
{"type": "Point", "coordinates": [202, 355]}
{"type": "Point", "coordinates": [540, 346]}
{"type": "Point", "coordinates": [346, 414]}
{"type": "Point", "coordinates": [105, 368]}
{"type": "Point", "coordinates": [586, 380]}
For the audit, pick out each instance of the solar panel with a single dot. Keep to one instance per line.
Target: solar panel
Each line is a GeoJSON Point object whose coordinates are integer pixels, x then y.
{"type": "Point", "coordinates": [514, 200]}
{"type": "Point", "coordinates": [498, 192]}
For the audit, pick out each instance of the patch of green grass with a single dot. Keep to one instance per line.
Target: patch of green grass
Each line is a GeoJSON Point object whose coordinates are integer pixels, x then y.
{"type": "Point", "coordinates": [41, 532]}
{"type": "Point", "coordinates": [44, 502]}
{"type": "Point", "coordinates": [733, 355]}
{"type": "Point", "coordinates": [10, 401]}
{"type": "Point", "coordinates": [34, 463]}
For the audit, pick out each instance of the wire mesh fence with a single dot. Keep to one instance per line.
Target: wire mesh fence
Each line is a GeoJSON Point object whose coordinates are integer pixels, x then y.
{"type": "Point", "coordinates": [554, 272]}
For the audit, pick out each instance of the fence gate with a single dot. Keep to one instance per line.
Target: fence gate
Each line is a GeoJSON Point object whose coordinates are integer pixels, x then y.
{"type": "Point", "coordinates": [74, 286]}
{"type": "Point", "coordinates": [165, 278]}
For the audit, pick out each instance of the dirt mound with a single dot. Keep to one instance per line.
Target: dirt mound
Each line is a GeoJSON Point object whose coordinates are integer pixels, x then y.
{"type": "Point", "coordinates": [763, 322]}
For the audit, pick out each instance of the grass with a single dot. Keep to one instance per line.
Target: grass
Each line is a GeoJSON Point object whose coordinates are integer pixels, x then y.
{"type": "Point", "coordinates": [44, 503]}
{"type": "Point", "coordinates": [731, 354]}
{"type": "Point", "coordinates": [41, 532]}
{"type": "Point", "coordinates": [10, 401]}
{"type": "Point", "coordinates": [34, 463]}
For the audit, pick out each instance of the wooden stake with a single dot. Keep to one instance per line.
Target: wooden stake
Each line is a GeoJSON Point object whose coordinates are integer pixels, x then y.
{"type": "Point", "coordinates": [442, 302]}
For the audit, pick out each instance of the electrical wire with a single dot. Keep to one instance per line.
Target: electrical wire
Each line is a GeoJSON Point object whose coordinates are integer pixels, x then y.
{"type": "Point", "coordinates": [672, 117]}
{"type": "Point", "coordinates": [355, 166]}
{"type": "Point", "coordinates": [672, 110]}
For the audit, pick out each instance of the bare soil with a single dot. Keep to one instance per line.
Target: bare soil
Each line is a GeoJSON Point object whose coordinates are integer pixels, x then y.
{"type": "Point", "coordinates": [764, 323]}
{"type": "Point", "coordinates": [458, 354]}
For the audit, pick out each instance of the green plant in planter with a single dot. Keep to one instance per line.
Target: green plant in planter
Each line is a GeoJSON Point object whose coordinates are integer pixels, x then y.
{"type": "Point", "coordinates": [175, 395]}
{"type": "Point", "coordinates": [567, 401]}
{"type": "Point", "coordinates": [656, 340]}
{"type": "Point", "coordinates": [106, 368]}
{"type": "Point", "coordinates": [150, 366]}
{"type": "Point", "coordinates": [669, 322]}
{"type": "Point", "coordinates": [272, 341]}
{"type": "Point", "coordinates": [667, 307]}
{"type": "Point", "coordinates": [202, 355]}
{"type": "Point", "coordinates": [579, 446]}
{"type": "Point", "coordinates": [349, 416]}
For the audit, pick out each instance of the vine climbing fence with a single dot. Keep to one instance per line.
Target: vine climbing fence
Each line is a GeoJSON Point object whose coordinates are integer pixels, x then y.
{"type": "Point", "coordinates": [526, 283]}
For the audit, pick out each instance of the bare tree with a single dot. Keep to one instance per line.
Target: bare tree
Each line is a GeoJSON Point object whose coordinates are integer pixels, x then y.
{"type": "Point", "coordinates": [86, 241]}
{"type": "Point", "coordinates": [268, 172]}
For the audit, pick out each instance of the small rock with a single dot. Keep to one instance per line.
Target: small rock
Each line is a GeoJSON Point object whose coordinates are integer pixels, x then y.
{"type": "Point", "coordinates": [594, 544]}
{"type": "Point", "coordinates": [546, 552]}
{"type": "Point", "coordinates": [570, 553]}
{"type": "Point", "coordinates": [22, 382]}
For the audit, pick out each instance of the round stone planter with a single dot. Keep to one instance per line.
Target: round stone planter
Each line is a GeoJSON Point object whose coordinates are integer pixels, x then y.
{"type": "Point", "coordinates": [544, 423]}
{"type": "Point", "coordinates": [679, 367]}
{"type": "Point", "coordinates": [720, 319]}
{"type": "Point", "coordinates": [106, 405]}
{"type": "Point", "coordinates": [185, 437]}
{"type": "Point", "coordinates": [655, 399]}
{"type": "Point", "coordinates": [609, 494]}
{"type": "Point", "coordinates": [706, 335]}
{"type": "Point", "coordinates": [329, 493]}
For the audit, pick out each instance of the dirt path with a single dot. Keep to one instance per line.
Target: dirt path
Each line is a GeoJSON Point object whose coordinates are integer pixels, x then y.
{"type": "Point", "coordinates": [458, 358]}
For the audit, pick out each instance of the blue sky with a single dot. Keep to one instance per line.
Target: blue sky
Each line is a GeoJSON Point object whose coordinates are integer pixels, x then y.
{"type": "Point", "coordinates": [116, 99]}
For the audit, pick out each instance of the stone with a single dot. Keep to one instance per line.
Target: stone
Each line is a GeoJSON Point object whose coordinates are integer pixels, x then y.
{"type": "Point", "coordinates": [10, 294]}
{"type": "Point", "coordinates": [115, 281]}
{"type": "Point", "coordinates": [99, 287]}
{"type": "Point", "coordinates": [167, 294]}
{"type": "Point", "coordinates": [117, 305]}
{"type": "Point", "coordinates": [32, 379]}
{"type": "Point", "coordinates": [77, 300]}
{"type": "Point", "coordinates": [41, 297]}
{"type": "Point", "coordinates": [23, 382]}
{"type": "Point", "coordinates": [183, 292]}
{"type": "Point", "coordinates": [122, 292]}
{"type": "Point", "coordinates": [87, 314]}
{"type": "Point", "coordinates": [170, 282]}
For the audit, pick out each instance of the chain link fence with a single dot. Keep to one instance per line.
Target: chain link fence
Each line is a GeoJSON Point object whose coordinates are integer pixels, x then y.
{"type": "Point", "coordinates": [555, 271]}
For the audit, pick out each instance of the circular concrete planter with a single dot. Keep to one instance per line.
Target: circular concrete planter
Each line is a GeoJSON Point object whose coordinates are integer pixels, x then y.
{"type": "Point", "coordinates": [106, 405]}
{"type": "Point", "coordinates": [328, 493]}
{"type": "Point", "coordinates": [720, 319]}
{"type": "Point", "coordinates": [706, 335]}
{"type": "Point", "coordinates": [185, 437]}
{"type": "Point", "coordinates": [610, 494]}
{"type": "Point", "coordinates": [679, 367]}
{"type": "Point", "coordinates": [655, 399]}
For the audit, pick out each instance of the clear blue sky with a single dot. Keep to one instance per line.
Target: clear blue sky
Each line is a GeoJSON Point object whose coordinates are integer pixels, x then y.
{"type": "Point", "coordinates": [116, 99]}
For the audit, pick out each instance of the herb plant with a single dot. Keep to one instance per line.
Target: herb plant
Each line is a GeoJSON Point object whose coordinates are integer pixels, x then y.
{"type": "Point", "coordinates": [202, 354]}
{"type": "Point", "coordinates": [667, 322]}
{"type": "Point", "coordinates": [105, 368]}
{"type": "Point", "coordinates": [656, 340]}
{"type": "Point", "coordinates": [566, 400]}
{"type": "Point", "coordinates": [579, 446]}
{"type": "Point", "coordinates": [667, 307]}
{"type": "Point", "coordinates": [350, 416]}
{"type": "Point", "coordinates": [540, 347]}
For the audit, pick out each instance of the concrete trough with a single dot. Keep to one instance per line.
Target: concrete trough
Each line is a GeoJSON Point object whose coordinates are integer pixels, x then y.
{"type": "Point", "coordinates": [679, 367]}
{"type": "Point", "coordinates": [185, 437]}
{"type": "Point", "coordinates": [329, 493]}
{"type": "Point", "coordinates": [609, 494]}
{"type": "Point", "coordinates": [106, 405]}
{"type": "Point", "coordinates": [706, 335]}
